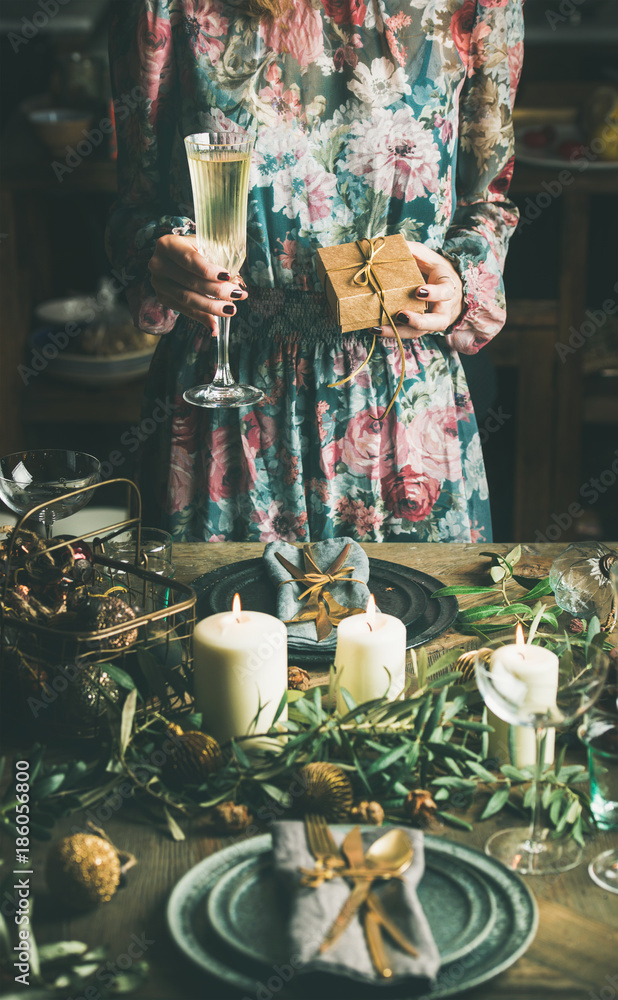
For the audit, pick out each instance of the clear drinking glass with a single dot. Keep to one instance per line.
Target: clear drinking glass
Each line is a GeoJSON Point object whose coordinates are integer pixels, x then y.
{"type": "Point", "coordinates": [219, 165]}
{"type": "Point", "coordinates": [29, 478]}
{"type": "Point", "coordinates": [523, 685]}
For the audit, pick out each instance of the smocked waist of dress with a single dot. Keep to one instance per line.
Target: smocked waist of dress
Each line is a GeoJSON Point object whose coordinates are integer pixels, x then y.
{"type": "Point", "coordinates": [288, 315]}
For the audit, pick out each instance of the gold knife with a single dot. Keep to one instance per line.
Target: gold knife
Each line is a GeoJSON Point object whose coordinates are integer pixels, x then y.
{"type": "Point", "coordinates": [353, 849]}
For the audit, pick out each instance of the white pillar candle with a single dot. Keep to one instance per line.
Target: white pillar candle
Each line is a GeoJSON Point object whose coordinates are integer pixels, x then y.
{"type": "Point", "coordinates": [530, 673]}
{"type": "Point", "coordinates": [239, 667]}
{"type": "Point", "coordinates": [370, 659]}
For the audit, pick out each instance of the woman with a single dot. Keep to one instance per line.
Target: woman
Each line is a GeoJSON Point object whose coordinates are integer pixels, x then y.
{"type": "Point", "coordinates": [371, 118]}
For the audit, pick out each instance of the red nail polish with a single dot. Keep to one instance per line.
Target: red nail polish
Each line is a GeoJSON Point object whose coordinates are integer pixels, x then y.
{"type": "Point", "coordinates": [229, 310]}
{"type": "Point", "coordinates": [402, 318]}
{"type": "Point", "coordinates": [422, 293]}
{"type": "Point", "coordinates": [376, 330]}
{"type": "Point", "coordinates": [224, 276]}
{"type": "Point", "coordinates": [236, 294]}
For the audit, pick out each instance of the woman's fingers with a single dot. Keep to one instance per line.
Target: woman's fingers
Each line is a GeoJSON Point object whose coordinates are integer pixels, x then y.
{"type": "Point", "coordinates": [188, 284]}
{"type": "Point", "coordinates": [191, 304]}
{"type": "Point", "coordinates": [169, 269]}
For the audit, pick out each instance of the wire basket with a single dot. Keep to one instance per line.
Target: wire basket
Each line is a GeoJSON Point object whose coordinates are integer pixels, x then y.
{"type": "Point", "coordinates": [62, 683]}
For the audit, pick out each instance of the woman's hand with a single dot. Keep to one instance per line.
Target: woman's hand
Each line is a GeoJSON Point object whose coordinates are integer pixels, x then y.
{"type": "Point", "coordinates": [184, 281]}
{"type": "Point", "coordinates": [443, 290]}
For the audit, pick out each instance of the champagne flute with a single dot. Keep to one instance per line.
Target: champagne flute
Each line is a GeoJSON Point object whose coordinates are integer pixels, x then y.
{"type": "Point", "coordinates": [219, 165]}
{"type": "Point", "coordinates": [530, 685]}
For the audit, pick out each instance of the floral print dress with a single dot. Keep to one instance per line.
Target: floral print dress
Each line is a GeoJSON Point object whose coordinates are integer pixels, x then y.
{"type": "Point", "coordinates": [372, 118]}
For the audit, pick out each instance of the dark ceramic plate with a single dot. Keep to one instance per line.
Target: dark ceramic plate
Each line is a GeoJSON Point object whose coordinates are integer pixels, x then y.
{"type": "Point", "coordinates": [398, 590]}
{"type": "Point", "coordinates": [509, 907]}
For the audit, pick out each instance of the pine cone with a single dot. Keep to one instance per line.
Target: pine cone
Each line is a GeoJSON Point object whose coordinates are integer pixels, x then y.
{"type": "Point", "coordinates": [577, 626]}
{"type": "Point", "coordinates": [227, 817]}
{"type": "Point", "coordinates": [368, 812]}
{"type": "Point", "coordinates": [420, 807]}
{"type": "Point", "coordinates": [298, 680]}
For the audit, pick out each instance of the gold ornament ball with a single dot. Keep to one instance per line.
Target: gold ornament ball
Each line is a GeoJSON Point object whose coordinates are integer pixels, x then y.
{"type": "Point", "coordinates": [83, 870]}
{"type": "Point", "coordinates": [193, 757]}
{"type": "Point", "coordinates": [327, 791]}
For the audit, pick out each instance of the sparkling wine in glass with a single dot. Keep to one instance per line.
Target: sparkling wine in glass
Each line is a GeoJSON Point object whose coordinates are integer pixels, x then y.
{"type": "Point", "coordinates": [29, 479]}
{"type": "Point", "coordinates": [530, 685]}
{"type": "Point", "coordinates": [219, 165]}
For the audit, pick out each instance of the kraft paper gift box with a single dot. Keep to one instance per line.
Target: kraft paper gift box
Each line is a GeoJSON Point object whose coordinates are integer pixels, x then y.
{"type": "Point", "coordinates": [353, 294]}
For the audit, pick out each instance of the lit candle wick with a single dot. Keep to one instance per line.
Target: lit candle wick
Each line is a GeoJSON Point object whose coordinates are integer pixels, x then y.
{"type": "Point", "coordinates": [236, 607]}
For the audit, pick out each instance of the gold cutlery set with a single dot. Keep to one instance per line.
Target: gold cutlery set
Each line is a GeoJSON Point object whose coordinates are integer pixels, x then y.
{"type": "Point", "coordinates": [387, 858]}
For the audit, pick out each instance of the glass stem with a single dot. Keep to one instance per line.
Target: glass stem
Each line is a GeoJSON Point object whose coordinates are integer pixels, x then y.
{"type": "Point", "coordinates": [535, 834]}
{"type": "Point", "coordinates": [223, 375]}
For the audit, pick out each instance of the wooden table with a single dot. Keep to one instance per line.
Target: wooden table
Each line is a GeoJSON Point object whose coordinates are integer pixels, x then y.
{"type": "Point", "coordinates": [572, 958]}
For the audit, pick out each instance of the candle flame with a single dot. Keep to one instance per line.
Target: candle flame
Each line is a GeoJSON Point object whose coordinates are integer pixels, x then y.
{"type": "Point", "coordinates": [236, 607]}
{"type": "Point", "coordinates": [371, 612]}
{"type": "Point", "coordinates": [519, 635]}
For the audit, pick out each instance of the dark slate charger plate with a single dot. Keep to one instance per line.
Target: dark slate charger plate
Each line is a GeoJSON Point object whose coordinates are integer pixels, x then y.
{"type": "Point", "coordinates": [398, 590]}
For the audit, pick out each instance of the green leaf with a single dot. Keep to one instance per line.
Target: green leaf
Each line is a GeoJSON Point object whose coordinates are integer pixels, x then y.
{"type": "Point", "coordinates": [49, 785]}
{"type": "Point", "coordinates": [126, 721]}
{"type": "Point", "coordinates": [550, 618]}
{"type": "Point", "coordinates": [120, 676]}
{"type": "Point", "coordinates": [462, 824]}
{"type": "Point", "coordinates": [481, 771]}
{"type": "Point", "coordinates": [540, 589]}
{"type": "Point", "coordinates": [497, 573]}
{"type": "Point", "coordinates": [281, 706]}
{"type": "Point", "coordinates": [283, 798]}
{"type": "Point", "coordinates": [436, 714]}
{"type": "Point", "coordinates": [172, 825]}
{"type": "Point", "coordinates": [483, 611]}
{"type": "Point", "coordinates": [61, 949]}
{"type": "Point", "coordinates": [453, 591]}
{"type": "Point", "coordinates": [240, 755]}
{"type": "Point", "coordinates": [384, 762]}
{"type": "Point", "coordinates": [513, 557]}
{"type": "Point", "coordinates": [496, 802]}
{"type": "Point", "coordinates": [514, 772]}
{"type": "Point", "coordinates": [556, 806]}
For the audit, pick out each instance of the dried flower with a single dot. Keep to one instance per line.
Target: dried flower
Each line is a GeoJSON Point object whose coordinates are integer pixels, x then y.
{"type": "Point", "coordinates": [577, 626]}
{"type": "Point", "coordinates": [420, 807]}
{"type": "Point", "coordinates": [298, 679]}
{"type": "Point", "coordinates": [368, 812]}
{"type": "Point", "coordinates": [228, 817]}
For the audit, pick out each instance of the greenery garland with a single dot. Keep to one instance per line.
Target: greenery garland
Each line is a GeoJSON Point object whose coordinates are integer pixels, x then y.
{"type": "Point", "coordinates": [435, 739]}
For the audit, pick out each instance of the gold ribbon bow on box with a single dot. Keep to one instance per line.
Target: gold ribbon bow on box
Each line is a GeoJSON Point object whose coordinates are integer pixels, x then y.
{"type": "Point", "coordinates": [321, 606]}
{"type": "Point", "coordinates": [366, 275]}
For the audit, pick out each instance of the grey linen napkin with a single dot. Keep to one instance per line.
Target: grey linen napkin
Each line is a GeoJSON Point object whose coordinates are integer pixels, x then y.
{"type": "Point", "coordinates": [350, 595]}
{"type": "Point", "coordinates": [312, 911]}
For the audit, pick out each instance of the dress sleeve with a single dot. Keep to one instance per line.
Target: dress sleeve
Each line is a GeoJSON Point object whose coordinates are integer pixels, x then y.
{"type": "Point", "coordinates": [484, 219]}
{"type": "Point", "coordinates": [144, 90]}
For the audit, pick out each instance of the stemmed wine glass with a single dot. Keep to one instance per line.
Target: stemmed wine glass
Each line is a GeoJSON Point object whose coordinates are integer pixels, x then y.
{"type": "Point", "coordinates": [30, 478]}
{"type": "Point", "coordinates": [599, 732]}
{"type": "Point", "coordinates": [530, 685]}
{"type": "Point", "coordinates": [219, 167]}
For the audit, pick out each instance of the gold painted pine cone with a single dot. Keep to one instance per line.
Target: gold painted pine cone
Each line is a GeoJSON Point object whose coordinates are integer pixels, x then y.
{"type": "Point", "coordinates": [327, 791]}
{"type": "Point", "coordinates": [466, 662]}
{"type": "Point", "coordinates": [193, 757]}
{"type": "Point", "coordinates": [228, 817]}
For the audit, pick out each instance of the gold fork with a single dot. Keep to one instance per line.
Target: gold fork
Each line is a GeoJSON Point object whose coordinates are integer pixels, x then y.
{"type": "Point", "coordinates": [322, 844]}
